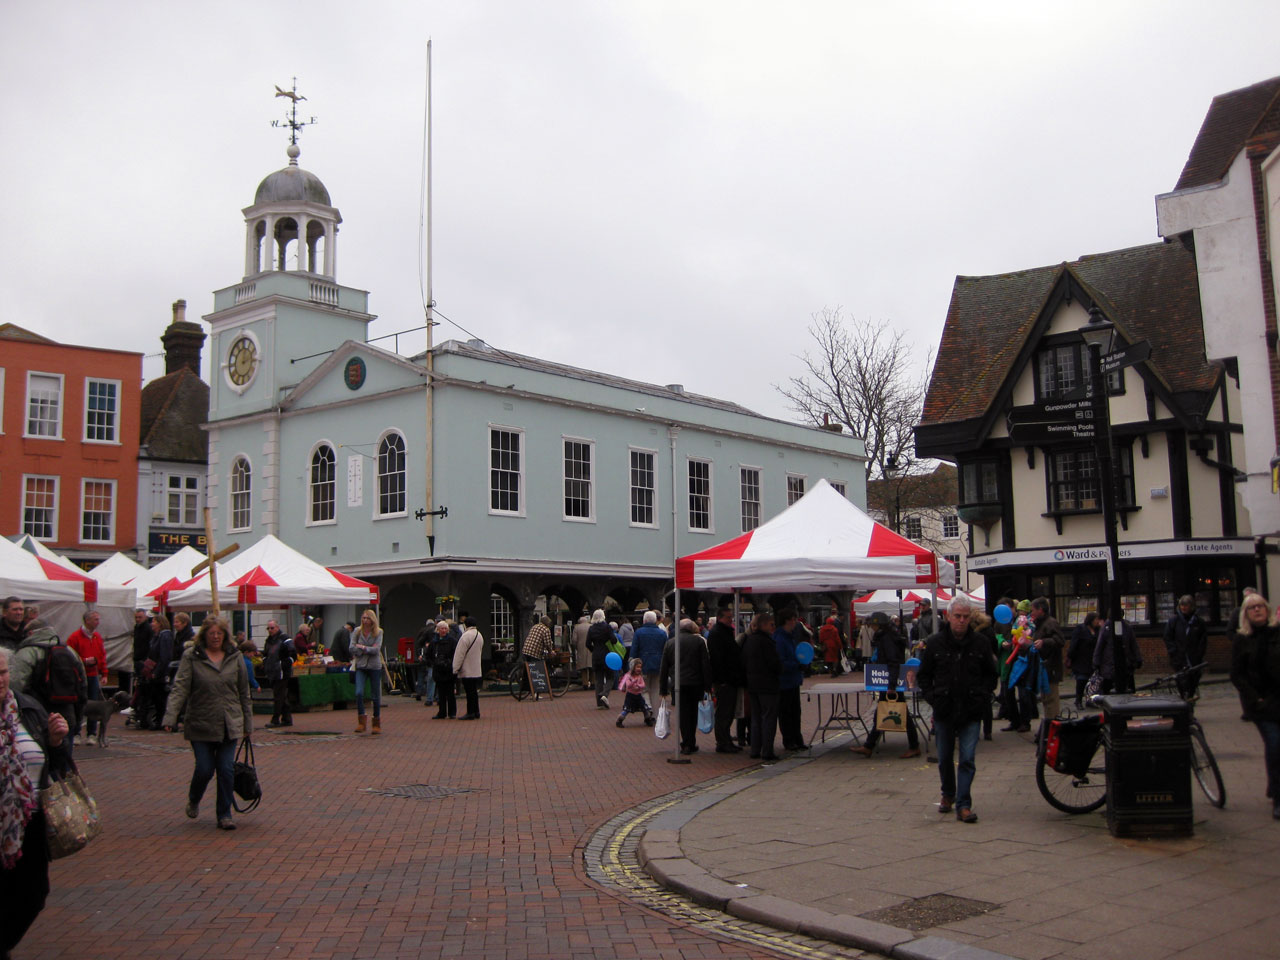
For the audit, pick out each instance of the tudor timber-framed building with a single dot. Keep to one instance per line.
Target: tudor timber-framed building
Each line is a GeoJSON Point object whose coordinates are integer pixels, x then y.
{"type": "Point", "coordinates": [1034, 510]}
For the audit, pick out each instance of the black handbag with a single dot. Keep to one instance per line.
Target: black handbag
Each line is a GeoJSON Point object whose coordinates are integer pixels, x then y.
{"type": "Point", "coordinates": [245, 779]}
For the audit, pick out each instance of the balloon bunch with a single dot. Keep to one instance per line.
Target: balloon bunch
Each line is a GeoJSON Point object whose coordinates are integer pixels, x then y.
{"type": "Point", "coordinates": [1021, 638]}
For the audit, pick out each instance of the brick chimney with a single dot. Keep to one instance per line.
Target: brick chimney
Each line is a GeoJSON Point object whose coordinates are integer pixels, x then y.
{"type": "Point", "coordinates": [182, 341]}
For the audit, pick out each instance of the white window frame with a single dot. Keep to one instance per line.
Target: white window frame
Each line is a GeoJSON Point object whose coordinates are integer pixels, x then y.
{"type": "Point", "coordinates": [742, 500]}
{"type": "Point", "coordinates": [111, 521]}
{"type": "Point", "coordinates": [502, 619]}
{"type": "Point", "coordinates": [22, 506]}
{"type": "Point", "coordinates": [804, 484]}
{"type": "Point", "coordinates": [839, 486]}
{"type": "Point", "coordinates": [115, 415]}
{"type": "Point", "coordinates": [954, 520]}
{"type": "Point", "coordinates": [183, 492]}
{"type": "Point", "coordinates": [906, 528]}
{"type": "Point", "coordinates": [653, 489]}
{"type": "Point", "coordinates": [522, 489]}
{"type": "Point", "coordinates": [710, 495]}
{"type": "Point", "coordinates": [26, 411]}
{"type": "Point", "coordinates": [954, 559]}
{"type": "Point", "coordinates": [589, 480]}
{"type": "Point", "coordinates": [404, 492]}
{"type": "Point", "coordinates": [232, 493]}
{"type": "Point", "coordinates": [309, 520]}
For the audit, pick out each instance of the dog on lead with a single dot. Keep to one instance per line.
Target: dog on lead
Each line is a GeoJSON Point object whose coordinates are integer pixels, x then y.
{"type": "Point", "coordinates": [100, 711]}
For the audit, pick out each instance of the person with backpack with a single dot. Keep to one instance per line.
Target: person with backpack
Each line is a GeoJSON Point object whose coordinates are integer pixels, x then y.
{"type": "Point", "coordinates": [47, 669]}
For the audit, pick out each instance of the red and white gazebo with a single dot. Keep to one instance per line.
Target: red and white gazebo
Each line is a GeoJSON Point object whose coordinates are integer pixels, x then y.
{"type": "Point", "coordinates": [272, 574]}
{"type": "Point", "coordinates": [821, 542]}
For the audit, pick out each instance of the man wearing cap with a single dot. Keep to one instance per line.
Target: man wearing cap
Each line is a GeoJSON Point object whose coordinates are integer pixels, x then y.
{"type": "Point", "coordinates": [1185, 640]}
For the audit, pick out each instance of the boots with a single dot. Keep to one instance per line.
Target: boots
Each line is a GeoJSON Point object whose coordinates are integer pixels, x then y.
{"type": "Point", "coordinates": [360, 721]}
{"type": "Point", "coordinates": [377, 725]}
{"type": "Point", "coordinates": [622, 716]}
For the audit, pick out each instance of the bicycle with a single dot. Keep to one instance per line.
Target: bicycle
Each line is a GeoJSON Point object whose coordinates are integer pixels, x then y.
{"type": "Point", "coordinates": [1071, 775]}
{"type": "Point", "coordinates": [1203, 764]}
{"type": "Point", "coordinates": [560, 673]}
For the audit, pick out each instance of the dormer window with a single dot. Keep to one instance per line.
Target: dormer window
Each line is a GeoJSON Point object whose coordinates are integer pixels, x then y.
{"type": "Point", "coordinates": [1062, 371]}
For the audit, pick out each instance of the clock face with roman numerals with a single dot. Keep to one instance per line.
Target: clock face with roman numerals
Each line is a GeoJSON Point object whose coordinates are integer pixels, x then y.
{"type": "Point", "coordinates": [242, 360]}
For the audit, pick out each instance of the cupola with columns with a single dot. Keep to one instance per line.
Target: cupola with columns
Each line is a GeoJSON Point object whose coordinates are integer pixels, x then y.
{"type": "Point", "coordinates": [291, 225]}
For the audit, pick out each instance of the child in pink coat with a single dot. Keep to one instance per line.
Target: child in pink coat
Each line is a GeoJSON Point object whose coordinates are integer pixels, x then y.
{"type": "Point", "coordinates": [632, 685]}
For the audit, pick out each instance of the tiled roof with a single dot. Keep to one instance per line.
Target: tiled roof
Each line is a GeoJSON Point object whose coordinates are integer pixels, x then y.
{"type": "Point", "coordinates": [173, 407]}
{"type": "Point", "coordinates": [1150, 293]}
{"type": "Point", "coordinates": [1231, 120]}
{"type": "Point", "coordinates": [11, 331]}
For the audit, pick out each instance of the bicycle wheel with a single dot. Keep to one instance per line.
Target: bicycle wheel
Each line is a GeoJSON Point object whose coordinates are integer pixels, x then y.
{"type": "Point", "coordinates": [1068, 793]}
{"type": "Point", "coordinates": [517, 682]}
{"type": "Point", "coordinates": [559, 678]}
{"type": "Point", "coordinates": [1205, 768]}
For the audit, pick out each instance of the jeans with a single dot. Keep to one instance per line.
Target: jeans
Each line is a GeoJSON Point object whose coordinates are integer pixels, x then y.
{"type": "Point", "coordinates": [95, 693]}
{"type": "Point", "coordinates": [764, 724]}
{"type": "Point", "coordinates": [947, 734]}
{"type": "Point", "coordinates": [213, 757]}
{"type": "Point", "coordinates": [1270, 731]}
{"type": "Point", "coordinates": [372, 678]}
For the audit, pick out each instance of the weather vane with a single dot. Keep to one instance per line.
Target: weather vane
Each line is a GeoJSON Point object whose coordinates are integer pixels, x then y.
{"type": "Point", "coordinates": [291, 118]}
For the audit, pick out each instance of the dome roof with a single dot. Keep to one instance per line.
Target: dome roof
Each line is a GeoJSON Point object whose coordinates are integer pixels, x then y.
{"type": "Point", "coordinates": [292, 185]}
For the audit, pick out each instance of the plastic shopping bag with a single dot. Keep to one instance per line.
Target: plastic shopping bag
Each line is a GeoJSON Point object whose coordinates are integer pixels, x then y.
{"type": "Point", "coordinates": [662, 726]}
{"type": "Point", "coordinates": [706, 715]}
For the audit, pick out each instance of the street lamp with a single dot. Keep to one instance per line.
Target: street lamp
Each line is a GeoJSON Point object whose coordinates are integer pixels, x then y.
{"type": "Point", "coordinates": [1098, 334]}
{"type": "Point", "coordinates": [893, 472]}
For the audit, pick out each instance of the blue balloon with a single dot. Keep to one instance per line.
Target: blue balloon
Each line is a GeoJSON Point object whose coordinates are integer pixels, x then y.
{"type": "Point", "coordinates": [612, 661]}
{"type": "Point", "coordinates": [1002, 613]}
{"type": "Point", "coordinates": [804, 652]}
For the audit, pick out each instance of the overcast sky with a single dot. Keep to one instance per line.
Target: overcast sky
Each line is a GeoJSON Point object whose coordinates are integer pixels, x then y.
{"type": "Point", "coordinates": [660, 190]}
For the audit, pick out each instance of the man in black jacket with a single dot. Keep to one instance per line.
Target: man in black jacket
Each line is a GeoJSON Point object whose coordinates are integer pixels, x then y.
{"type": "Point", "coordinates": [1048, 639]}
{"type": "Point", "coordinates": [1185, 640]}
{"type": "Point", "coordinates": [761, 666]}
{"type": "Point", "coordinates": [957, 675]}
{"type": "Point", "coordinates": [277, 665]}
{"type": "Point", "coordinates": [142, 632]}
{"type": "Point", "coordinates": [726, 677]}
{"type": "Point", "coordinates": [694, 680]}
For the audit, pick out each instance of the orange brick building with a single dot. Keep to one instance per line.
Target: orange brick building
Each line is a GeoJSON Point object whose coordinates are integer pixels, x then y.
{"type": "Point", "coordinates": [68, 444]}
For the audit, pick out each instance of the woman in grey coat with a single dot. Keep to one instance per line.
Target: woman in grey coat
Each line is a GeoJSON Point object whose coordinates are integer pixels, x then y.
{"type": "Point", "coordinates": [366, 661]}
{"type": "Point", "coordinates": [213, 685]}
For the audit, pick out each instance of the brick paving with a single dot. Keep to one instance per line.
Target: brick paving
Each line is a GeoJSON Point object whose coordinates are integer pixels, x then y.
{"type": "Point", "coordinates": [325, 869]}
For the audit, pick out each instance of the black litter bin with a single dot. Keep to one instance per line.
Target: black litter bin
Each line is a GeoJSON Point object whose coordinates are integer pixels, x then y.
{"type": "Point", "coordinates": [1148, 746]}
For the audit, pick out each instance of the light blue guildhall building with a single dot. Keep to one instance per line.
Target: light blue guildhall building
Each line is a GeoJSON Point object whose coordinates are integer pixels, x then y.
{"type": "Point", "coordinates": [558, 481]}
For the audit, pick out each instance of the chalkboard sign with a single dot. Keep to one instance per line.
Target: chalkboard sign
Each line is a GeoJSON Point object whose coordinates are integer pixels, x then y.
{"type": "Point", "coordinates": [539, 681]}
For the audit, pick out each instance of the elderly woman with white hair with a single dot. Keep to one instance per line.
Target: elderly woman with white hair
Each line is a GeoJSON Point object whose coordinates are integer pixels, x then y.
{"type": "Point", "coordinates": [647, 644]}
{"type": "Point", "coordinates": [599, 636]}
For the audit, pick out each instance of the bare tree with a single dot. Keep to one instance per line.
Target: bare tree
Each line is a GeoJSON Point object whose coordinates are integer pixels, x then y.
{"type": "Point", "coordinates": [863, 376]}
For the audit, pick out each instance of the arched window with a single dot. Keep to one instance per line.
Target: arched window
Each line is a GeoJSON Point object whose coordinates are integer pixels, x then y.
{"type": "Point", "coordinates": [241, 494]}
{"type": "Point", "coordinates": [323, 485]}
{"type": "Point", "coordinates": [391, 484]}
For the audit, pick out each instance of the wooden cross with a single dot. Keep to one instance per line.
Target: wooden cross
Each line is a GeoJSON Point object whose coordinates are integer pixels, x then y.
{"type": "Point", "coordinates": [212, 559]}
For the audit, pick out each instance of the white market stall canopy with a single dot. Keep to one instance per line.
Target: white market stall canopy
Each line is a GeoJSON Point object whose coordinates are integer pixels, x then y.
{"type": "Point", "coordinates": [269, 573]}
{"type": "Point", "coordinates": [821, 542]}
{"type": "Point", "coordinates": [27, 574]}
{"type": "Point", "coordinates": [57, 568]}
{"type": "Point", "coordinates": [887, 601]}
{"type": "Point", "coordinates": [171, 573]}
{"type": "Point", "coordinates": [117, 569]}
